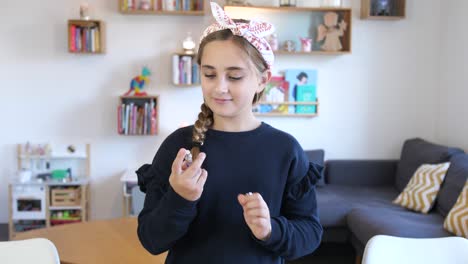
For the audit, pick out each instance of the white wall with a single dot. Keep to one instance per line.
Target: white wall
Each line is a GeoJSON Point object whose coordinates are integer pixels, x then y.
{"type": "Point", "coordinates": [452, 123]}
{"type": "Point", "coordinates": [371, 100]}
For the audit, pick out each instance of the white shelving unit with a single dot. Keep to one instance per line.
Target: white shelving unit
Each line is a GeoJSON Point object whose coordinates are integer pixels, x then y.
{"type": "Point", "coordinates": [36, 203]}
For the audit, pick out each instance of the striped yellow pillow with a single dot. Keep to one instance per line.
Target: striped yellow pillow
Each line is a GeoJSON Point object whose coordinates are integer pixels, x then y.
{"type": "Point", "coordinates": [421, 191]}
{"type": "Point", "coordinates": [457, 219]}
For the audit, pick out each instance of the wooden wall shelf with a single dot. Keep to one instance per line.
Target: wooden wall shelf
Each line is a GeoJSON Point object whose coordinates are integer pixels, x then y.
{"type": "Point", "coordinates": [185, 71]}
{"type": "Point", "coordinates": [86, 36]}
{"type": "Point", "coordinates": [343, 13]}
{"type": "Point", "coordinates": [287, 114]}
{"type": "Point", "coordinates": [138, 115]}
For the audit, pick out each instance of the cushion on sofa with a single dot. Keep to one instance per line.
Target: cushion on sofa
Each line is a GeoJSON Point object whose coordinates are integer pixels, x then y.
{"type": "Point", "coordinates": [365, 223]}
{"type": "Point", "coordinates": [421, 191]}
{"type": "Point", "coordinates": [416, 152]}
{"type": "Point", "coordinates": [317, 156]}
{"type": "Point", "coordinates": [456, 177]}
{"type": "Point", "coordinates": [457, 219]}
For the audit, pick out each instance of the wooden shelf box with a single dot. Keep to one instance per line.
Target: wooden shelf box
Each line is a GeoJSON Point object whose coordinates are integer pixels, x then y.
{"type": "Point", "coordinates": [159, 7]}
{"type": "Point", "coordinates": [185, 70]}
{"type": "Point", "coordinates": [138, 115]}
{"type": "Point", "coordinates": [86, 36]}
{"type": "Point", "coordinates": [307, 20]}
{"type": "Point", "coordinates": [369, 10]}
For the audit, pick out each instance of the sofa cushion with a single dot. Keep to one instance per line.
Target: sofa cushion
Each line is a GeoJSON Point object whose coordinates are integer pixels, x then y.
{"type": "Point", "coordinates": [456, 176]}
{"type": "Point", "coordinates": [334, 202]}
{"type": "Point", "coordinates": [456, 221]}
{"type": "Point", "coordinates": [417, 151]}
{"type": "Point", "coordinates": [421, 191]}
{"type": "Point", "coordinates": [317, 156]}
{"type": "Point", "coordinates": [365, 223]}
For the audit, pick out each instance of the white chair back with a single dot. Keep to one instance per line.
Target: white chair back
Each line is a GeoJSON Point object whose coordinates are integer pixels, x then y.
{"type": "Point", "coordinates": [383, 249]}
{"type": "Point", "coordinates": [34, 250]}
{"type": "Point", "coordinates": [138, 200]}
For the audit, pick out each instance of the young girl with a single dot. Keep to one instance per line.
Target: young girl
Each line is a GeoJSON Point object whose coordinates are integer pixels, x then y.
{"type": "Point", "coordinates": [248, 196]}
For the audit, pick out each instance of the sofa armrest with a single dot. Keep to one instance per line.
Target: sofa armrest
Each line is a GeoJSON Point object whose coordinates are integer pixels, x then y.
{"type": "Point", "coordinates": [361, 172]}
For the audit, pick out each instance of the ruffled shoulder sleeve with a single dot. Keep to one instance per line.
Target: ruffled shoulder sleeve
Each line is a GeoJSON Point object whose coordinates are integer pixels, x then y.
{"type": "Point", "coordinates": [299, 188]}
{"type": "Point", "coordinates": [146, 175]}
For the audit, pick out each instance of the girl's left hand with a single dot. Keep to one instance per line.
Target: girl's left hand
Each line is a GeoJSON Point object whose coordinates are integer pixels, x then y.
{"type": "Point", "coordinates": [256, 214]}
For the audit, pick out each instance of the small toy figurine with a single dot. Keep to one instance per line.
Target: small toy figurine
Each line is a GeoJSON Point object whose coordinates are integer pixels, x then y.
{"type": "Point", "coordinates": [137, 83]}
{"type": "Point", "coordinates": [289, 46]}
{"type": "Point", "coordinates": [331, 31]}
{"type": "Point", "coordinates": [273, 41]}
{"type": "Point", "coordinates": [84, 11]}
{"type": "Point", "coordinates": [188, 44]}
{"type": "Point", "coordinates": [145, 5]}
{"type": "Point", "coordinates": [306, 44]}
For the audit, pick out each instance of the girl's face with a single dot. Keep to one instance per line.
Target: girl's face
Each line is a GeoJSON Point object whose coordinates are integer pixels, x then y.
{"type": "Point", "coordinates": [229, 79]}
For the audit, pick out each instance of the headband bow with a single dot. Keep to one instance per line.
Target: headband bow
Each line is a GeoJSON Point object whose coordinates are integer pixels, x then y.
{"type": "Point", "coordinates": [254, 32]}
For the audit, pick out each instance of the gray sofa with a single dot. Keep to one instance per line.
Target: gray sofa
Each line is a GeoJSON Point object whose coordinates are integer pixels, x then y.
{"type": "Point", "coordinates": [355, 198]}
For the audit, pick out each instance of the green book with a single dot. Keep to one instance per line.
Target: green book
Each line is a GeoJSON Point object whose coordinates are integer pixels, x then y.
{"type": "Point", "coordinates": [306, 93]}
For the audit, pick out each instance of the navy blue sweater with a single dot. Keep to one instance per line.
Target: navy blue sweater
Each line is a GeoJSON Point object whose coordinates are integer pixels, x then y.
{"type": "Point", "coordinates": [212, 229]}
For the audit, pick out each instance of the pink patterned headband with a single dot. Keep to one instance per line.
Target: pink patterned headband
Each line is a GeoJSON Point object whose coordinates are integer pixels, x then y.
{"type": "Point", "coordinates": [254, 32]}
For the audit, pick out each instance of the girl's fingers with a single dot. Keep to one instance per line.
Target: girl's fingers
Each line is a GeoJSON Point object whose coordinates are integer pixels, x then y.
{"type": "Point", "coordinates": [196, 164]}
{"type": "Point", "coordinates": [202, 179]}
{"type": "Point", "coordinates": [178, 161]}
{"type": "Point", "coordinates": [254, 204]}
{"type": "Point", "coordinates": [257, 212]}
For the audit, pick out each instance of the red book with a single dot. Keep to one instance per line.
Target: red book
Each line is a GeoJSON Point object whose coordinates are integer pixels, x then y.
{"type": "Point", "coordinates": [119, 119]}
{"type": "Point", "coordinates": [84, 39]}
{"type": "Point", "coordinates": [72, 38]}
{"type": "Point", "coordinates": [153, 122]}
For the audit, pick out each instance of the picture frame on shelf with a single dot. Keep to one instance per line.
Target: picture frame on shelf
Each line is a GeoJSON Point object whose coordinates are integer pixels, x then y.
{"type": "Point", "coordinates": [383, 9]}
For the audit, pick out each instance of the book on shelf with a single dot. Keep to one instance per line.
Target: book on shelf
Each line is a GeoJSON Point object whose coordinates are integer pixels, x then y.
{"type": "Point", "coordinates": [137, 118]}
{"type": "Point", "coordinates": [185, 70]}
{"type": "Point", "coordinates": [276, 91]}
{"type": "Point", "coordinates": [296, 77]}
{"type": "Point", "coordinates": [162, 5]}
{"type": "Point", "coordinates": [306, 93]}
{"type": "Point", "coordinates": [84, 38]}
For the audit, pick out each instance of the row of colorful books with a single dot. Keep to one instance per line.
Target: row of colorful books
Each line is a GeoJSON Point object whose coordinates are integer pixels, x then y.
{"type": "Point", "coordinates": [297, 85]}
{"type": "Point", "coordinates": [136, 119]}
{"type": "Point", "coordinates": [185, 70]}
{"type": "Point", "coordinates": [84, 39]}
{"type": "Point", "coordinates": [163, 5]}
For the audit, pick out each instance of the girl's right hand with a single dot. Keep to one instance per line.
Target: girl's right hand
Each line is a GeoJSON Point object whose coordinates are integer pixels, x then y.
{"type": "Point", "coordinates": [188, 182]}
